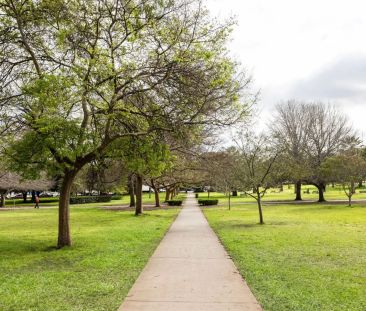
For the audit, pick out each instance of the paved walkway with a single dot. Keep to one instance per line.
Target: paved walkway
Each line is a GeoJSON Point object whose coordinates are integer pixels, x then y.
{"type": "Point", "coordinates": [190, 271]}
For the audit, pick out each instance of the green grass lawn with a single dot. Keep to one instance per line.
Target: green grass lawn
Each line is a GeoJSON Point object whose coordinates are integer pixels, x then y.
{"type": "Point", "coordinates": [335, 193]}
{"type": "Point", "coordinates": [146, 199]}
{"type": "Point", "coordinates": [110, 249]}
{"type": "Point", "coordinates": [306, 257]}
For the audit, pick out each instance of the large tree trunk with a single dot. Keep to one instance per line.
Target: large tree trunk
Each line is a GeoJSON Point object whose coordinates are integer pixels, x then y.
{"type": "Point", "coordinates": [259, 201]}
{"type": "Point", "coordinates": [298, 191]}
{"type": "Point", "coordinates": [25, 196]}
{"type": "Point", "coordinates": [64, 236]}
{"type": "Point", "coordinates": [131, 190]}
{"type": "Point", "coordinates": [321, 189]}
{"type": "Point", "coordinates": [138, 209]}
{"type": "Point", "coordinates": [167, 194]}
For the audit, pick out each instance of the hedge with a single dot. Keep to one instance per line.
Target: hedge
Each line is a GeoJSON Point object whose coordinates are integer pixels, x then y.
{"type": "Point", "coordinates": [117, 197]}
{"type": "Point", "coordinates": [90, 199]}
{"type": "Point", "coordinates": [206, 202]}
{"type": "Point", "coordinates": [175, 202]}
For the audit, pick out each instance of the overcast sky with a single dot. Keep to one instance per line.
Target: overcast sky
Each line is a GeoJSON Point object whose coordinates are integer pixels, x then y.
{"type": "Point", "coordinates": [302, 49]}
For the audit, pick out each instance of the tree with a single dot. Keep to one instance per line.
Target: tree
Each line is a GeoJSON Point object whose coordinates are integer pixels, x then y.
{"type": "Point", "coordinates": [257, 166]}
{"type": "Point", "coordinates": [328, 133]}
{"type": "Point", "coordinates": [13, 182]}
{"type": "Point", "coordinates": [78, 75]}
{"type": "Point", "coordinates": [290, 130]}
{"type": "Point", "coordinates": [220, 171]}
{"type": "Point", "coordinates": [346, 169]}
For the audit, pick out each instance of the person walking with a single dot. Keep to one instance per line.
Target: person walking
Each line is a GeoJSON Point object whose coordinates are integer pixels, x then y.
{"type": "Point", "coordinates": [37, 201]}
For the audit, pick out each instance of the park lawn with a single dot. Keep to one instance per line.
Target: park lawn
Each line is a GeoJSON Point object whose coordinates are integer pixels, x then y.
{"type": "Point", "coordinates": [306, 257]}
{"type": "Point", "coordinates": [110, 250]}
{"type": "Point", "coordinates": [146, 199]}
{"type": "Point", "coordinates": [288, 195]}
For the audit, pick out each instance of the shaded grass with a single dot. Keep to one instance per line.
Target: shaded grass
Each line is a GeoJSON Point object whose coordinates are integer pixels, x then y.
{"type": "Point", "coordinates": [304, 258]}
{"type": "Point", "coordinates": [110, 249]}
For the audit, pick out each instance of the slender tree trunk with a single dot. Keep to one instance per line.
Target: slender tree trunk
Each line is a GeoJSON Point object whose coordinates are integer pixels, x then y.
{"type": "Point", "coordinates": [298, 191]}
{"type": "Point", "coordinates": [64, 236]}
{"type": "Point", "coordinates": [350, 200]}
{"type": "Point", "coordinates": [353, 187]}
{"type": "Point", "coordinates": [2, 199]}
{"type": "Point", "coordinates": [259, 201]}
{"type": "Point", "coordinates": [229, 200]}
{"type": "Point", "coordinates": [131, 190]}
{"type": "Point", "coordinates": [360, 184]}
{"type": "Point", "coordinates": [156, 193]}
{"type": "Point", "coordinates": [139, 209]}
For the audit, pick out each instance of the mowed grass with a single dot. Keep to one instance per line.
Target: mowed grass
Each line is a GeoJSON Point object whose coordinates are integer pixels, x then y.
{"type": "Point", "coordinates": [287, 194]}
{"type": "Point", "coordinates": [306, 257]}
{"type": "Point", "coordinates": [146, 199]}
{"type": "Point", "coordinates": [110, 250]}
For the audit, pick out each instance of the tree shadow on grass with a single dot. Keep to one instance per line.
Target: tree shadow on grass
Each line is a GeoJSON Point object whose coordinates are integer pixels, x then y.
{"type": "Point", "coordinates": [257, 225]}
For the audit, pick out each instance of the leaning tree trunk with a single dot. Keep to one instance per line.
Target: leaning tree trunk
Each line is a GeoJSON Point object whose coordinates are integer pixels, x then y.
{"type": "Point", "coordinates": [64, 236]}
{"type": "Point", "coordinates": [157, 198]}
{"type": "Point", "coordinates": [131, 190]}
{"type": "Point", "coordinates": [138, 209]}
{"type": "Point", "coordinates": [259, 201]}
{"type": "Point", "coordinates": [156, 193]}
{"type": "Point", "coordinates": [298, 191]}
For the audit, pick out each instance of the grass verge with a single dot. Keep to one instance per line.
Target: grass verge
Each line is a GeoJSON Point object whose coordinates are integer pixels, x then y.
{"type": "Point", "coordinates": [110, 250]}
{"type": "Point", "coordinates": [309, 257]}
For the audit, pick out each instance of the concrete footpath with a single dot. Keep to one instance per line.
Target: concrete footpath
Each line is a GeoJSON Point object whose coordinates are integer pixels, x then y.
{"type": "Point", "coordinates": [190, 271]}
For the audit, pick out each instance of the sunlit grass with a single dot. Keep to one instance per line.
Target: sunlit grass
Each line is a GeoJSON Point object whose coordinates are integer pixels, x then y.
{"type": "Point", "coordinates": [110, 249]}
{"type": "Point", "coordinates": [306, 257]}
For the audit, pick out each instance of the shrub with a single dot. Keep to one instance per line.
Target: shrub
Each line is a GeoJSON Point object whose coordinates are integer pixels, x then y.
{"type": "Point", "coordinates": [175, 202]}
{"type": "Point", "coordinates": [206, 202]}
{"type": "Point", "coordinates": [117, 197]}
{"type": "Point", "coordinates": [90, 199]}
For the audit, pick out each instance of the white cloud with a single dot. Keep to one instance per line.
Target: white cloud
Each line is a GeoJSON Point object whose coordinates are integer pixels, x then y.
{"type": "Point", "coordinates": [305, 44]}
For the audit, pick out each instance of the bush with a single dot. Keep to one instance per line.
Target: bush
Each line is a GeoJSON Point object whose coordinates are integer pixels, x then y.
{"type": "Point", "coordinates": [206, 202]}
{"type": "Point", "coordinates": [117, 197]}
{"type": "Point", "coordinates": [90, 199]}
{"type": "Point", "coordinates": [175, 202]}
